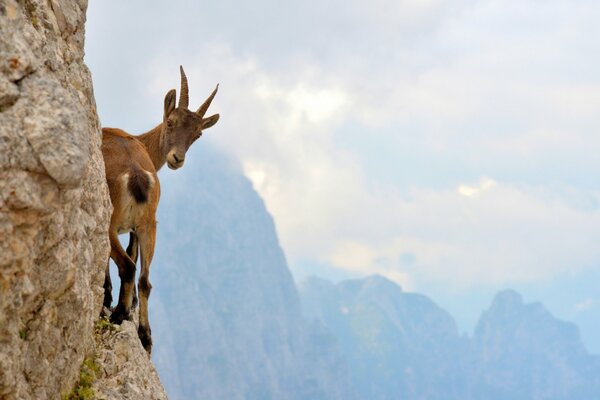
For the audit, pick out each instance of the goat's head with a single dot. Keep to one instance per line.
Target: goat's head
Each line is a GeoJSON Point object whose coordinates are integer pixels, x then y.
{"type": "Point", "coordinates": [181, 126]}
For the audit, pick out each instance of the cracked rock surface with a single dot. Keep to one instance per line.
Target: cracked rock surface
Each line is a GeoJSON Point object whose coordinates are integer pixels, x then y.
{"type": "Point", "coordinates": [125, 369]}
{"type": "Point", "coordinates": [54, 204]}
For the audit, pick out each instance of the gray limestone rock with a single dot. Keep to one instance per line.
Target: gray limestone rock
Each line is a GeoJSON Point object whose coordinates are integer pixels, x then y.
{"type": "Point", "coordinates": [125, 368]}
{"type": "Point", "coordinates": [54, 206]}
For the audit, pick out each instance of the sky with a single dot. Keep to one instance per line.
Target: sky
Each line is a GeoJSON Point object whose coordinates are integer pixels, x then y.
{"type": "Point", "coordinates": [450, 146]}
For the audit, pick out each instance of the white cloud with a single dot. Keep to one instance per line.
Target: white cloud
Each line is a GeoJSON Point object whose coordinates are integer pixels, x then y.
{"type": "Point", "coordinates": [481, 115]}
{"type": "Point", "coordinates": [475, 190]}
{"type": "Point", "coordinates": [584, 305]}
{"type": "Point", "coordinates": [328, 208]}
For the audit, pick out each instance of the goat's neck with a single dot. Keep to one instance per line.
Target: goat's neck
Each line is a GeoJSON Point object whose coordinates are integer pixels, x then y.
{"type": "Point", "coordinates": [154, 142]}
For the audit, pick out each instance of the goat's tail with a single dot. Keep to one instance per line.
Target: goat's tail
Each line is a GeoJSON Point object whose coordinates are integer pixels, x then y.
{"type": "Point", "coordinates": [139, 184]}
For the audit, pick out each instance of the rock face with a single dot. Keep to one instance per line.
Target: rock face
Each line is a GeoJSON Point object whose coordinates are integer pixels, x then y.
{"type": "Point", "coordinates": [54, 205]}
{"type": "Point", "coordinates": [125, 372]}
{"type": "Point", "coordinates": [225, 313]}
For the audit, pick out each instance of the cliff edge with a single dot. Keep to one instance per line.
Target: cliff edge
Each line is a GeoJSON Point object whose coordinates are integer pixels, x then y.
{"type": "Point", "coordinates": [54, 213]}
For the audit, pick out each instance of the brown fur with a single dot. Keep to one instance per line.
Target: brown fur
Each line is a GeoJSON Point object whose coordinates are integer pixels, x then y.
{"type": "Point", "coordinates": [131, 163]}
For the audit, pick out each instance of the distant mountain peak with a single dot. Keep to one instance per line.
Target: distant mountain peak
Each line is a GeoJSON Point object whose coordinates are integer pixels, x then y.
{"type": "Point", "coordinates": [370, 284]}
{"type": "Point", "coordinates": [377, 280]}
{"type": "Point", "coordinates": [402, 345]}
{"type": "Point", "coordinates": [507, 299]}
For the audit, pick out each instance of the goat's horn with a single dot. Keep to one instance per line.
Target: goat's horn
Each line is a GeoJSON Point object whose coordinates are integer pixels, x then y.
{"type": "Point", "coordinates": [202, 110]}
{"type": "Point", "coordinates": [184, 98]}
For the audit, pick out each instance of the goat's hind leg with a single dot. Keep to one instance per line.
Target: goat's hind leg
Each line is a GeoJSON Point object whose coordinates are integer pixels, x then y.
{"type": "Point", "coordinates": [132, 252]}
{"type": "Point", "coordinates": [127, 274]}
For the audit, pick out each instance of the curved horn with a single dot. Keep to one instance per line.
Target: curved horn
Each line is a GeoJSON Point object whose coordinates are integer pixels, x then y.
{"type": "Point", "coordinates": [202, 110]}
{"type": "Point", "coordinates": [184, 98]}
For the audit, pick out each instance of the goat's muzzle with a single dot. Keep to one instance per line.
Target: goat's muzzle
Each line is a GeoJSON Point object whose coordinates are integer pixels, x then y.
{"type": "Point", "coordinates": [174, 160]}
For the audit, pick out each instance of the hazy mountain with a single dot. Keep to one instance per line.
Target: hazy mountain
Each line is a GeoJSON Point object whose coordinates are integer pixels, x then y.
{"type": "Point", "coordinates": [522, 352]}
{"type": "Point", "coordinates": [225, 312]}
{"type": "Point", "coordinates": [402, 346]}
{"type": "Point", "coordinates": [399, 345]}
{"type": "Point", "coordinates": [227, 320]}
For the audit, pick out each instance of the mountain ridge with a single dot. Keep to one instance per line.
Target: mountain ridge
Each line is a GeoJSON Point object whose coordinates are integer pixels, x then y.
{"type": "Point", "coordinates": [518, 350]}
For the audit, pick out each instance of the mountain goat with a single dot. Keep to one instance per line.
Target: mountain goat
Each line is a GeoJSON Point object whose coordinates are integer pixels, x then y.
{"type": "Point", "coordinates": [131, 164]}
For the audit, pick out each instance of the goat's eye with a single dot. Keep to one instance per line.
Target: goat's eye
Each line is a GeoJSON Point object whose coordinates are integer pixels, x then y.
{"type": "Point", "coordinates": [170, 123]}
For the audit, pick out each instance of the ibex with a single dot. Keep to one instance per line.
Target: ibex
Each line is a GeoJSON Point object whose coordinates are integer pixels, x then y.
{"type": "Point", "coordinates": [131, 164]}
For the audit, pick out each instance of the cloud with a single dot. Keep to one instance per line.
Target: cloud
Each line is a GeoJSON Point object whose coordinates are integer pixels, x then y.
{"type": "Point", "coordinates": [502, 235]}
{"type": "Point", "coordinates": [584, 305]}
{"type": "Point", "coordinates": [460, 133]}
{"type": "Point", "coordinates": [475, 190]}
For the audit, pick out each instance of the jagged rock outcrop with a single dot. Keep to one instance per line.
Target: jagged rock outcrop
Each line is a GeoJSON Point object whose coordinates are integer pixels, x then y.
{"type": "Point", "coordinates": [124, 370]}
{"type": "Point", "coordinates": [54, 205]}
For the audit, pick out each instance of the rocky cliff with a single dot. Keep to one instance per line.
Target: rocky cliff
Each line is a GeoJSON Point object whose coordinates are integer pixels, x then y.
{"type": "Point", "coordinates": [54, 205]}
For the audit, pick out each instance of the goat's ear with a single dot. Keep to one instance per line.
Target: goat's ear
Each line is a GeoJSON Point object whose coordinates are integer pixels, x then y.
{"type": "Point", "coordinates": [210, 121]}
{"type": "Point", "coordinates": [170, 100]}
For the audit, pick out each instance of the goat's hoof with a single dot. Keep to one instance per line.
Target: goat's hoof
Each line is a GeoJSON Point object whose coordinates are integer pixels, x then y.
{"type": "Point", "coordinates": [120, 314]}
{"type": "Point", "coordinates": [105, 312]}
{"type": "Point", "coordinates": [146, 338]}
{"type": "Point", "coordinates": [107, 301]}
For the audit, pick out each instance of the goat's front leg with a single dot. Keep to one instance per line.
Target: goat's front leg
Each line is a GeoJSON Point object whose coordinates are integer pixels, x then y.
{"type": "Point", "coordinates": [127, 274]}
{"type": "Point", "coordinates": [132, 252]}
{"type": "Point", "coordinates": [147, 238]}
